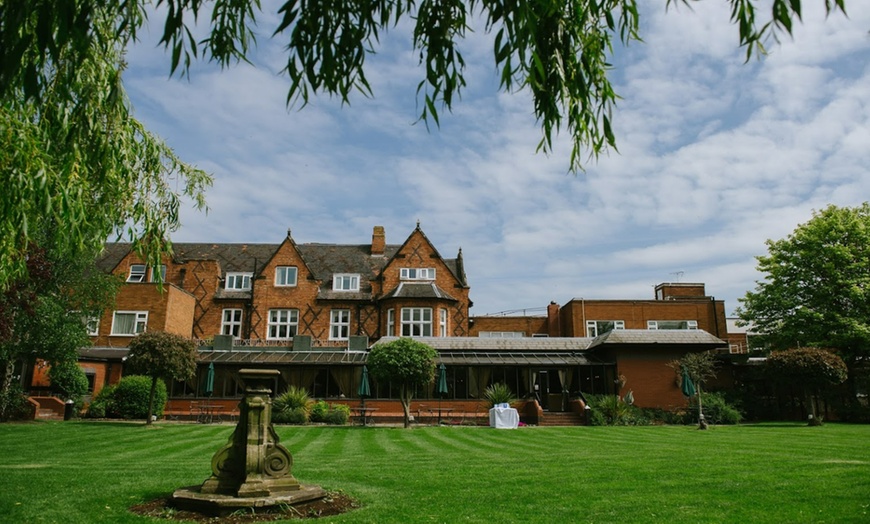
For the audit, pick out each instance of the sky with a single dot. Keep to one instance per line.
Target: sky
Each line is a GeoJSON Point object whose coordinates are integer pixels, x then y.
{"type": "Point", "coordinates": [715, 156]}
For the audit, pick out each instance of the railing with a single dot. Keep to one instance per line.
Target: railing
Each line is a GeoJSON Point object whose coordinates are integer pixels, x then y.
{"type": "Point", "coordinates": [261, 342]}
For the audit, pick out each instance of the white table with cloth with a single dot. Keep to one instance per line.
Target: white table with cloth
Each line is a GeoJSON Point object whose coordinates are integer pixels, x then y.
{"type": "Point", "coordinates": [504, 417]}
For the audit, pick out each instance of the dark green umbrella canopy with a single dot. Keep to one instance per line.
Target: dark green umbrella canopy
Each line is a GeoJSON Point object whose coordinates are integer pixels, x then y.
{"type": "Point", "coordinates": [209, 380]}
{"type": "Point", "coordinates": [442, 380]}
{"type": "Point", "coordinates": [688, 385]}
{"type": "Point", "coordinates": [364, 390]}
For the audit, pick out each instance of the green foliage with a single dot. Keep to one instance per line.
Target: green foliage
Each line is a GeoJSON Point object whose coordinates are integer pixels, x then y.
{"type": "Point", "coordinates": [319, 410]}
{"type": "Point", "coordinates": [131, 397]}
{"type": "Point", "coordinates": [404, 362]}
{"type": "Point", "coordinates": [557, 50]}
{"type": "Point", "coordinates": [498, 393]}
{"type": "Point", "coordinates": [68, 379]}
{"type": "Point", "coordinates": [338, 415]}
{"type": "Point", "coordinates": [163, 355]}
{"type": "Point", "coordinates": [717, 410]}
{"type": "Point", "coordinates": [71, 154]}
{"type": "Point", "coordinates": [14, 404]}
{"type": "Point", "coordinates": [816, 287]}
{"type": "Point", "coordinates": [292, 407]}
{"type": "Point", "coordinates": [103, 405]}
{"type": "Point", "coordinates": [610, 410]}
{"type": "Point", "coordinates": [810, 368]}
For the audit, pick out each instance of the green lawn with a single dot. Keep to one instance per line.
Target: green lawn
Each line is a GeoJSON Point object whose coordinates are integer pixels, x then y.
{"type": "Point", "coordinates": [91, 472]}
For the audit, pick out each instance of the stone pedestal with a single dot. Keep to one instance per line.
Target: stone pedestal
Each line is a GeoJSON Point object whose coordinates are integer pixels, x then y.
{"type": "Point", "coordinates": [252, 469]}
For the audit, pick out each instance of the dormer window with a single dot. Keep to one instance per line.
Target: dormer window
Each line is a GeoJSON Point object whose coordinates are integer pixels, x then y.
{"type": "Point", "coordinates": [137, 273]}
{"type": "Point", "coordinates": [417, 273]}
{"type": "Point", "coordinates": [238, 281]}
{"type": "Point", "coordinates": [285, 276]}
{"type": "Point", "coordinates": [158, 274]}
{"type": "Point", "coordinates": [345, 282]}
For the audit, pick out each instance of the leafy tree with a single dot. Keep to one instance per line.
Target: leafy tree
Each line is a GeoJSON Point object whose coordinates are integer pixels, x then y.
{"type": "Point", "coordinates": [70, 152]}
{"type": "Point", "coordinates": [69, 379]}
{"type": "Point", "coordinates": [42, 311]}
{"type": "Point", "coordinates": [816, 287]}
{"type": "Point", "coordinates": [557, 50]}
{"type": "Point", "coordinates": [810, 370]}
{"type": "Point", "coordinates": [700, 367]}
{"type": "Point", "coordinates": [404, 362]}
{"type": "Point", "coordinates": [158, 354]}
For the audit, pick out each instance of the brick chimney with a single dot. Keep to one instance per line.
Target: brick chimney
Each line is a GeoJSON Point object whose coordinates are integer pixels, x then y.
{"type": "Point", "coordinates": [379, 241]}
{"type": "Point", "coordinates": [554, 327]}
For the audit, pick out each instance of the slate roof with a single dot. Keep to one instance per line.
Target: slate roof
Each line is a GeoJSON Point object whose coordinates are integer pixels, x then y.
{"type": "Point", "coordinates": [324, 260]}
{"type": "Point", "coordinates": [695, 337]}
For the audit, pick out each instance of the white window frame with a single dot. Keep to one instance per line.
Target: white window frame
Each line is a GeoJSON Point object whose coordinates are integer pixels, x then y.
{"type": "Point", "coordinates": [417, 273]}
{"type": "Point", "coordinates": [162, 273]}
{"type": "Point", "coordinates": [281, 276]}
{"type": "Point", "coordinates": [345, 282]}
{"type": "Point", "coordinates": [339, 324]}
{"type": "Point", "coordinates": [283, 324]}
{"type": "Point", "coordinates": [442, 322]}
{"type": "Point", "coordinates": [592, 326]}
{"type": "Point", "coordinates": [238, 281]}
{"type": "Point", "coordinates": [137, 273]}
{"type": "Point", "coordinates": [140, 323]}
{"type": "Point", "coordinates": [691, 325]}
{"type": "Point", "coordinates": [391, 322]}
{"type": "Point", "coordinates": [231, 322]}
{"type": "Point", "coordinates": [416, 321]}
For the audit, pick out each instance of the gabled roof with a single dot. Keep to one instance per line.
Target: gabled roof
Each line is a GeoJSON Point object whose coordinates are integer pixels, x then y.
{"type": "Point", "coordinates": [324, 261]}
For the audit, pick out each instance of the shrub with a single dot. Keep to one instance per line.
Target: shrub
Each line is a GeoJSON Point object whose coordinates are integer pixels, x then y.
{"type": "Point", "coordinates": [132, 394]}
{"type": "Point", "coordinates": [319, 411]}
{"type": "Point", "coordinates": [292, 407]}
{"type": "Point", "coordinates": [610, 410]}
{"type": "Point", "coordinates": [14, 404]}
{"type": "Point", "coordinates": [338, 415]}
{"type": "Point", "coordinates": [499, 393]}
{"type": "Point", "coordinates": [103, 405]}
{"type": "Point", "coordinates": [69, 380]}
{"type": "Point", "coordinates": [717, 410]}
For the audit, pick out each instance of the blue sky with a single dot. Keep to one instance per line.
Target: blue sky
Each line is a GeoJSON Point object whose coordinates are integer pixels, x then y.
{"type": "Point", "coordinates": [715, 156]}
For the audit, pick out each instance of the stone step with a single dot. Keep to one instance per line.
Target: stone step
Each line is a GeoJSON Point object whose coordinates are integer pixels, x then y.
{"type": "Point", "coordinates": [47, 414]}
{"type": "Point", "coordinates": [561, 419]}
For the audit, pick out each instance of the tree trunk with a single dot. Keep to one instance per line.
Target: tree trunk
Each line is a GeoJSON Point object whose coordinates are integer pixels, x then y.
{"type": "Point", "coordinates": [405, 396]}
{"type": "Point", "coordinates": [702, 423]}
{"type": "Point", "coordinates": [4, 389]}
{"type": "Point", "coordinates": [151, 400]}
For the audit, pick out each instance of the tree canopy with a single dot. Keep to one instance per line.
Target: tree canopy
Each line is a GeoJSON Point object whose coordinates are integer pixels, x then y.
{"type": "Point", "coordinates": [71, 154]}
{"type": "Point", "coordinates": [816, 287]}
{"type": "Point", "coordinates": [557, 50]}
{"type": "Point", "coordinates": [404, 362]}
{"type": "Point", "coordinates": [810, 370]}
{"type": "Point", "coordinates": [158, 354]}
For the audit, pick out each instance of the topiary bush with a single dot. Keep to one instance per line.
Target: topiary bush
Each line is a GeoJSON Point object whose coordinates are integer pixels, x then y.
{"type": "Point", "coordinates": [131, 397]}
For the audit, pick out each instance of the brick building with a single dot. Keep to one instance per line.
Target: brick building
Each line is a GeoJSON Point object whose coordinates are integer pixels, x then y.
{"type": "Point", "coordinates": [313, 310]}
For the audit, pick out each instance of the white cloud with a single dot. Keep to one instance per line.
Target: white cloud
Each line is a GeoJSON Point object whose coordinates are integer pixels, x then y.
{"type": "Point", "coordinates": [715, 156]}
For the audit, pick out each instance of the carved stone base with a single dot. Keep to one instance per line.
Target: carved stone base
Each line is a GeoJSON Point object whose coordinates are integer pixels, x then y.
{"type": "Point", "coordinates": [193, 499]}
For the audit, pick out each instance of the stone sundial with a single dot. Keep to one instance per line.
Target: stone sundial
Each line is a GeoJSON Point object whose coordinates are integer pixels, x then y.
{"type": "Point", "coordinates": [252, 470]}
